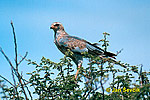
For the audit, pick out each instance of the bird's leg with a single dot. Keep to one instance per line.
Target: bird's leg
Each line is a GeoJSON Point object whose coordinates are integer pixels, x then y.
{"type": "Point", "coordinates": [79, 66]}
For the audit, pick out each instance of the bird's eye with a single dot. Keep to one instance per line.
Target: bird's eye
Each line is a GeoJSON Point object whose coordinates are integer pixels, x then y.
{"type": "Point", "coordinates": [56, 25]}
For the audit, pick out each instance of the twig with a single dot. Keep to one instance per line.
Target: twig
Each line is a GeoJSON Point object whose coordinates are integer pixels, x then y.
{"type": "Point", "coordinates": [16, 62]}
{"type": "Point", "coordinates": [12, 68]}
{"type": "Point", "coordinates": [88, 93]}
{"type": "Point", "coordinates": [15, 71]}
{"type": "Point", "coordinates": [101, 79]}
{"type": "Point", "coordinates": [25, 84]}
{"type": "Point", "coordinates": [113, 73]}
{"type": "Point", "coordinates": [28, 89]}
{"type": "Point", "coordinates": [141, 76]}
{"type": "Point", "coordinates": [23, 58]}
{"type": "Point", "coordinates": [1, 50]}
{"type": "Point", "coordinates": [22, 85]}
{"type": "Point", "coordinates": [7, 80]}
{"type": "Point", "coordinates": [115, 62]}
{"type": "Point", "coordinates": [2, 86]}
{"type": "Point", "coordinates": [15, 42]}
{"type": "Point", "coordinates": [119, 51]}
{"type": "Point", "coordinates": [29, 61]}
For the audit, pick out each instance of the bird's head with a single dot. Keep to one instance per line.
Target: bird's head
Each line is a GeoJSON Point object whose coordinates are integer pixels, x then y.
{"type": "Point", "coordinates": [57, 26]}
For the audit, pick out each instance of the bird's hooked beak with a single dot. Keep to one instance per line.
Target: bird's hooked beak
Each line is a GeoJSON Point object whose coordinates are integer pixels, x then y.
{"type": "Point", "coordinates": [52, 27]}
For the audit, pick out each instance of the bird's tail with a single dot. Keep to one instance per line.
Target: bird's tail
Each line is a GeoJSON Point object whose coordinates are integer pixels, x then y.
{"type": "Point", "coordinates": [109, 54]}
{"type": "Point", "coordinates": [94, 49]}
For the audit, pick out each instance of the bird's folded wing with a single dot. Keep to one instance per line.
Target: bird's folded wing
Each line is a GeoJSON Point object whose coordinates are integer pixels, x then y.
{"type": "Point", "coordinates": [77, 44]}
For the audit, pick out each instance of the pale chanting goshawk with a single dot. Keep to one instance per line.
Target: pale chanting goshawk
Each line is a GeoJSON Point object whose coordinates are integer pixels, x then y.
{"type": "Point", "coordinates": [77, 45]}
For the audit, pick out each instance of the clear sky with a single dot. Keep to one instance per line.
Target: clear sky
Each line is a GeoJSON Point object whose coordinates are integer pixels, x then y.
{"type": "Point", "coordinates": [128, 22]}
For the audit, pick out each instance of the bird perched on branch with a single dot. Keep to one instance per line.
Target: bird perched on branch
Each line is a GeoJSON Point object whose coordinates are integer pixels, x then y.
{"type": "Point", "coordinates": [77, 45]}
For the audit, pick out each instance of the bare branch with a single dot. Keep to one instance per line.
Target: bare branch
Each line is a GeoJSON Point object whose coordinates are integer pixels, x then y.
{"type": "Point", "coordinates": [118, 52]}
{"type": "Point", "coordinates": [16, 62]}
{"type": "Point", "coordinates": [13, 70]}
{"type": "Point", "coordinates": [8, 60]}
{"type": "Point", "coordinates": [7, 80]}
{"type": "Point", "coordinates": [29, 61]}
{"type": "Point", "coordinates": [15, 42]}
{"type": "Point", "coordinates": [27, 89]}
{"type": "Point", "coordinates": [22, 85]}
{"type": "Point", "coordinates": [23, 58]}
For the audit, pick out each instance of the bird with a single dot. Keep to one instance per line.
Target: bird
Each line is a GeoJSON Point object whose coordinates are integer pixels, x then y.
{"type": "Point", "coordinates": [77, 45]}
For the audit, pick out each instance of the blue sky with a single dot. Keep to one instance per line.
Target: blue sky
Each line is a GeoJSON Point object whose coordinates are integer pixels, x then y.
{"type": "Point", "coordinates": [127, 21]}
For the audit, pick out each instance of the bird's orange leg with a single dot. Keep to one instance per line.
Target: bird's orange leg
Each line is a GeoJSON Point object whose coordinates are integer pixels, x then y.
{"type": "Point", "coordinates": [78, 71]}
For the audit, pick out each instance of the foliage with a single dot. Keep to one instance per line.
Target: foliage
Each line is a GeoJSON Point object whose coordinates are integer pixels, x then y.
{"type": "Point", "coordinates": [102, 78]}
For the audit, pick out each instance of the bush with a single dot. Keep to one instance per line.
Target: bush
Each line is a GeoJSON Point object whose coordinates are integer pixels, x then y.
{"type": "Point", "coordinates": [101, 78]}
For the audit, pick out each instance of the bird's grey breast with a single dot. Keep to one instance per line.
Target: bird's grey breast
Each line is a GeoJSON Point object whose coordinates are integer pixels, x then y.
{"type": "Point", "coordinates": [59, 46]}
{"type": "Point", "coordinates": [57, 37]}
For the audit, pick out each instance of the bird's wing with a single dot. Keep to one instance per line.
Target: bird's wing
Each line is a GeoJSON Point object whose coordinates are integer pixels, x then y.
{"type": "Point", "coordinates": [95, 50]}
{"type": "Point", "coordinates": [79, 45]}
{"type": "Point", "coordinates": [75, 44]}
